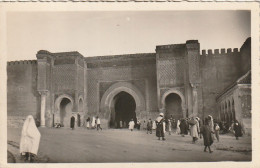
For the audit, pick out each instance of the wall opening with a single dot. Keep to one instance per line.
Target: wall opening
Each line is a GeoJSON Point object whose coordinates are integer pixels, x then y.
{"type": "Point", "coordinates": [78, 120]}
{"type": "Point", "coordinates": [122, 109]}
{"type": "Point", "coordinates": [80, 105]}
{"type": "Point", "coordinates": [173, 106]}
{"type": "Point", "coordinates": [65, 108]}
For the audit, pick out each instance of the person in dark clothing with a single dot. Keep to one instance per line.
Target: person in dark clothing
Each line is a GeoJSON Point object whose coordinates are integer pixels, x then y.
{"type": "Point", "coordinates": [237, 129]}
{"type": "Point", "coordinates": [72, 122]}
{"type": "Point", "coordinates": [207, 138]}
{"type": "Point", "coordinates": [160, 127]}
{"type": "Point", "coordinates": [149, 126]}
{"type": "Point", "coordinates": [184, 127]}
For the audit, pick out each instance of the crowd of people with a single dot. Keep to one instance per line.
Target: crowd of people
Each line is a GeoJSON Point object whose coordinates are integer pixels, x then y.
{"type": "Point", "coordinates": [95, 123]}
{"type": "Point", "coordinates": [209, 129]}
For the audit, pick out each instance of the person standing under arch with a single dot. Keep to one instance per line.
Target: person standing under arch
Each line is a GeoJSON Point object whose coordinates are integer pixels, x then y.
{"type": "Point", "coordinates": [131, 124]}
{"type": "Point", "coordinates": [72, 122]}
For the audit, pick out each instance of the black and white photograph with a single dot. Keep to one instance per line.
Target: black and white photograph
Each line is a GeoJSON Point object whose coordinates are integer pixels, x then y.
{"type": "Point", "coordinates": [130, 86]}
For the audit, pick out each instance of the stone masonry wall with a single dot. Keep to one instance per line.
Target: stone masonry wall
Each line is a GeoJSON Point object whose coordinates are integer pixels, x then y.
{"type": "Point", "coordinates": [22, 96]}
{"type": "Point", "coordinates": [218, 71]}
{"type": "Point", "coordinates": [142, 76]}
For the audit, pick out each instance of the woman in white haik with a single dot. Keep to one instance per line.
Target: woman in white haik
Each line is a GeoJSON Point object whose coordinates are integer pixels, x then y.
{"type": "Point", "coordinates": [30, 139]}
{"type": "Point", "coordinates": [178, 127]}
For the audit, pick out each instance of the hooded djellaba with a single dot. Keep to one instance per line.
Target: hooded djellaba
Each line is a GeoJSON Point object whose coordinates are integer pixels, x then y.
{"type": "Point", "coordinates": [30, 139]}
{"type": "Point", "coordinates": [160, 126]}
{"type": "Point", "coordinates": [183, 127]}
{"type": "Point", "coordinates": [194, 129]}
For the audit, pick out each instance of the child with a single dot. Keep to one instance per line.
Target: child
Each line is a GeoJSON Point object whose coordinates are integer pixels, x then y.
{"type": "Point", "coordinates": [207, 138]}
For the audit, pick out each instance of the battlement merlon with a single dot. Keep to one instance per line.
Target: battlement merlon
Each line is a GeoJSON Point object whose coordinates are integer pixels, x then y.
{"type": "Point", "coordinates": [228, 50]}
{"type": "Point", "coordinates": [219, 51]}
{"type": "Point", "coordinates": [22, 62]}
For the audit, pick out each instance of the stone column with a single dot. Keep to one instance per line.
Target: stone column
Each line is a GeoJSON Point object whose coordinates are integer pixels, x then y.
{"type": "Point", "coordinates": [195, 99]}
{"type": "Point", "coordinates": [43, 107]}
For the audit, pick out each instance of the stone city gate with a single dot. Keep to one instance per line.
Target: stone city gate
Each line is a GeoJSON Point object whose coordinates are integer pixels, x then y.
{"type": "Point", "coordinates": [177, 77]}
{"type": "Point", "coordinates": [107, 104]}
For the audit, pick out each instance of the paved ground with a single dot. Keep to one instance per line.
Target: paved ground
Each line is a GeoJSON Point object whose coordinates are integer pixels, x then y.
{"type": "Point", "coordinates": [85, 146]}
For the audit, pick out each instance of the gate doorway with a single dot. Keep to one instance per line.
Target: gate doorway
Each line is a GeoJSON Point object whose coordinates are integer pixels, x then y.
{"type": "Point", "coordinates": [65, 109]}
{"type": "Point", "coordinates": [173, 107]}
{"type": "Point", "coordinates": [122, 110]}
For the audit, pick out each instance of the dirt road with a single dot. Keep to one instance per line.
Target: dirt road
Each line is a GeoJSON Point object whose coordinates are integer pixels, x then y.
{"type": "Point", "coordinates": [86, 146]}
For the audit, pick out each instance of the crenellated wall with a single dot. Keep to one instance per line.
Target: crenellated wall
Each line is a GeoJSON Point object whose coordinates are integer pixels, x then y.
{"type": "Point", "coordinates": [220, 69]}
{"type": "Point", "coordinates": [91, 83]}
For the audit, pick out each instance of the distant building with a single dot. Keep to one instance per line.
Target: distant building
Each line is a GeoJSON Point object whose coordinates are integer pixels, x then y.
{"type": "Point", "coordinates": [177, 79]}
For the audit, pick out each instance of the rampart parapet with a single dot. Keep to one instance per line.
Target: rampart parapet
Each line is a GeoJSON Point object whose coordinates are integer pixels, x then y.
{"type": "Point", "coordinates": [23, 62]}
{"type": "Point", "coordinates": [219, 52]}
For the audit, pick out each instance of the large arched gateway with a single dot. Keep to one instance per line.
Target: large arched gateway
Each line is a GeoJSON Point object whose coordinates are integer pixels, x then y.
{"type": "Point", "coordinates": [122, 102]}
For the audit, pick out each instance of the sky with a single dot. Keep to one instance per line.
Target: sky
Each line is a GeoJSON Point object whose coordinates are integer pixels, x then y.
{"type": "Point", "coordinates": [121, 32]}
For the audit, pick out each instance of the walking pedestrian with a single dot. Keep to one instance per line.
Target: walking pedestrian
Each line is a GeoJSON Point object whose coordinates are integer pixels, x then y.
{"type": "Point", "coordinates": [207, 138]}
{"type": "Point", "coordinates": [98, 124]}
{"type": "Point", "coordinates": [211, 125]}
{"type": "Point", "coordinates": [30, 139]}
{"type": "Point", "coordinates": [149, 126]}
{"type": "Point", "coordinates": [194, 129]}
{"type": "Point", "coordinates": [131, 125]}
{"type": "Point", "coordinates": [237, 129]}
{"type": "Point", "coordinates": [160, 127]}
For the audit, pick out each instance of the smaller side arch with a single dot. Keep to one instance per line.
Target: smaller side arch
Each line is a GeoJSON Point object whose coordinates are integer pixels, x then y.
{"type": "Point", "coordinates": [57, 118]}
{"type": "Point", "coordinates": [58, 100]}
{"type": "Point", "coordinates": [183, 104]}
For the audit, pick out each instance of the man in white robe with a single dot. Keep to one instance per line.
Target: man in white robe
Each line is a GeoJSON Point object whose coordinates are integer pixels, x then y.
{"type": "Point", "coordinates": [194, 130]}
{"type": "Point", "coordinates": [131, 124]}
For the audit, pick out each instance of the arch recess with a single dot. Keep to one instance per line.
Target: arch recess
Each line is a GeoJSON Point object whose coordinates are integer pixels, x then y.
{"type": "Point", "coordinates": [183, 104]}
{"type": "Point", "coordinates": [112, 91]}
{"type": "Point", "coordinates": [80, 104]}
{"type": "Point", "coordinates": [59, 99]}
